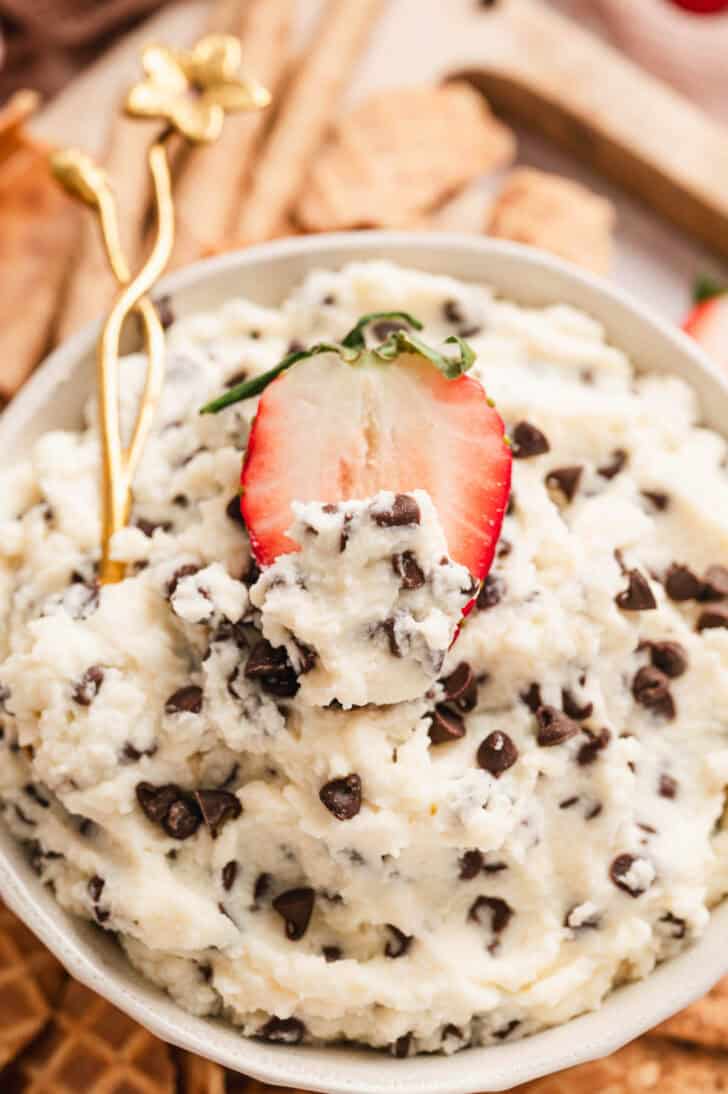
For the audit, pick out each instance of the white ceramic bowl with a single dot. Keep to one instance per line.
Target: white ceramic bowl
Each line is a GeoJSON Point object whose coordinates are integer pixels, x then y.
{"type": "Point", "coordinates": [54, 398]}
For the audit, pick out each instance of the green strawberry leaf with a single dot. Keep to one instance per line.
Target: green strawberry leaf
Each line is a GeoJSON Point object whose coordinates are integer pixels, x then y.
{"type": "Point", "coordinates": [355, 338]}
{"type": "Point", "coordinates": [249, 388]}
{"type": "Point", "coordinates": [351, 350]}
{"type": "Point", "coordinates": [705, 288]}
{"type": "Point", "coordinates": [402, 341]}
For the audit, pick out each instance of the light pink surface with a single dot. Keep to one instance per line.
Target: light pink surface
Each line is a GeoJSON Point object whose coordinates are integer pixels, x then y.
{"type": "Point", "coordinates": [688, 51]}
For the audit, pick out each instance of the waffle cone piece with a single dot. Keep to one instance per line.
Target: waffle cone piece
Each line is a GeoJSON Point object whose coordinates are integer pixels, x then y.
{"type": "Point", "coordinates": [90, 1047]}
{"type": "Point", "coordinates": [200, 1076]}
{"type": "Point", "coordinates": [30, 980]}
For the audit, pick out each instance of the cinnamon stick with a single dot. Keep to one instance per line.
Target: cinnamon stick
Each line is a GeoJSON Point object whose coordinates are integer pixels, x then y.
{"type": "Point", "coordinates": [301, 124]}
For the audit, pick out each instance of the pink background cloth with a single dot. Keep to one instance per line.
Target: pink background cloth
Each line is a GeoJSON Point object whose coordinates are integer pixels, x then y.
{"type": "Point", "coordinates": [688, 51]}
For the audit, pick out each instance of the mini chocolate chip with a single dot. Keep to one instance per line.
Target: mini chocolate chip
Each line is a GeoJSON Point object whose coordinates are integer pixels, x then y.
{"type": "Point", "coordinates": [554, 727]}
{"type": "Point", "coordinates": [331, 954]}
{"type": "Point", "coordinates": [186, 700]}
{"type": "Point", "coordinates": [131, 755]}
{"type": "Point", "coordinates": [238, 377]}
{"type": "Point", "coordinates": [713, 618]}
{"type": "Point", "coordinates": [399, 943]}
{"type": "Point", "coordinates": [532, 697]}
{"type": "Point", "coordinates": [35, 795]}
{"type": "Point", "coordinates": [217, 807]}
{"type": "Point", "coordinates": [567, 803]}
{"type": "Point", "coordinates": [295, 346]}
{"type": "Point", "coordinates": [295, 906]}
{"type": "Point", "coordinates": [494, 867]}
{"type": "Point", "coordinates": [229, 874]}
{"type": "Point", "coordinates": [459, 683]}
{"type": "Point", "coordinates": [491, 593]}
{"type": "Point", "coordinates": [182, 820]}
{"type": "Point", "coordinates": [282, 1031]}
{"type": "Point", "coordinates": [272, 669]}
{"type": "Point", "coordinates": [452, 311]}
{"type": "Point", "coordinates": [505, 547]}
{"type": "Point", "coordinates": [616, 464]}
{"type": "Point", "coordinates": [188, 570]}
{"type": "Point", "coordinates": [591, 922]}
{"type": "Point", "coordinates": [491, 911]}
{"type": "Point", "coordinates": [591, 748]}
{"type": "Point", "coordinates": [385, 327]}
{"type": "Point", "coordinates": [401, 1047]}
{"type": "Point", "coordinates": [573, 709]}
{"type": "Point", "coordinates": [528, 441]}
{"type": "Point", "coordinates": [329, 300]}
{"type": "Point", "coordinates": [682, 584]}
{"type": "Point", "coordinates": [670, 657]}
{"type": "Point", "coordinates": [651, 689]}
{"type": "Point", "coordinates": [149, 527]}
{"type": "Point", "coordinates": [87, 688]}
{"type": "Point", "coordinates": [346, 532]}
{"type": "Point", "coordinates": [251, 573]}
{"type": "Point", "coordinates": [342, 797]}
{"type": "Point", "coordinates": [618, 871]}
{"type": "Point", "coordinates": [408, 569]}
{"type": "Point", "coordinates": [165, 311]}
{"type": "Point", "coordinates": [261, 887]}
{"type": "Point", "coordinates": [497, 753]}
{"type": "Point", "coordinates": [445, 725]}
{"type": "Point", "coordinates": [471, 863]}
{"type": "Point", "coordinates": [638, 596]}
{"type": "Point", "coordinates": [403, 512]}
{"type": "Point", "coordinates": [677, 923]}
{"type": "Point", "coordinates": [565, 479]}
{"type": "Point", "coordinates": [95, 888]}
{"type": "Point", "coordinates": [234, 512]}
{"type": "Point", "coordinates": [507, 1030]}
{"type": "Point", "coordinates": [667, 786]}
{"type": "Point", "coordinates": [156, 800]}
{"type": "Point", "coordinates": [715, 583]}
{"type": "Point", "coordinates": [659, 500]}
{"type": "Point", "coordinates": [102, 914]}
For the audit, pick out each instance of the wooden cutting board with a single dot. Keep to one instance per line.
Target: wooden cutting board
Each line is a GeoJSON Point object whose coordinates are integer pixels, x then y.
{"type": "Point", "coordinates": [533, 64]}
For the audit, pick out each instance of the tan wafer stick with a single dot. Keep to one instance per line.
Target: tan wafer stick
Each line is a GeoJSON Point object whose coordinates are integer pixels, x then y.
{"type": "Point", "coordinates": [703, 1023]}
{"type": "Point", "coordinates": [200, 1076]}
{"type": "Point", "coordinates": [37, 229]}
{"type": "Point", "coordinates": [30, 979]}
{"type": "Point", "coordinates": [212, 179]}
{"type": "Point", "coordinates": [304, 116]}
{"type": "Point", "coordinates": [647, 1066]}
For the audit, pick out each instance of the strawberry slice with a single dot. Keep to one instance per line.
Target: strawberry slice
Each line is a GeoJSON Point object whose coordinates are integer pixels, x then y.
{"type": "Point", "coordinates": [348, 421]}
{"type": "Point", "coordinates": [708, 322]}
{"type": "Point", "coordinates": [702, 7]}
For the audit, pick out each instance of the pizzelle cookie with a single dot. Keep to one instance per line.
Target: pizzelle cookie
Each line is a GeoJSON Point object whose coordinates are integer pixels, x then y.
{"type": "Point", "coordinates": [91, 1046]}
{"type": "Point", "coordinates": [648, 1066]}
{"type": "Point", "coordinates": [557, 215]}
{"type": "Point", "coordinates": [703, 1023]}
{"type": "Point", "coordinates": [199, 1076]}
{"type": "Point", "coordinates": [400, 154]}
{"type": "Point", "coordinates": [30, 980]}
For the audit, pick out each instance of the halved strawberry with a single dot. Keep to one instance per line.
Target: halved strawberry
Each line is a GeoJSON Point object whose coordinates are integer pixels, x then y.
{"type": "Point", "coordinates": [350, 421]}
{"type": "Point", "coordinates": [708, 322]}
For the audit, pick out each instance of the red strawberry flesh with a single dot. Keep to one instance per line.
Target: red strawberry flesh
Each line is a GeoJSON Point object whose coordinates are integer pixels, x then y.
{"type": "Point", "coordinates": [329, 431]}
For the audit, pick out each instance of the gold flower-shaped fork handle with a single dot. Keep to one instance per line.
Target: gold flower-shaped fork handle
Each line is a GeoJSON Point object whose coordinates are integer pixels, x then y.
{"type": "Point", "coordinates": [192, 90]}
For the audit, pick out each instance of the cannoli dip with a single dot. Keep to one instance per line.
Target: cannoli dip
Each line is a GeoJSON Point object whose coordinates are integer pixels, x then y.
{"type": "Point", "coordinates": [318, 799]}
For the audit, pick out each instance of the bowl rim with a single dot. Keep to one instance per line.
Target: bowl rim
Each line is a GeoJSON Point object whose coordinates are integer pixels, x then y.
{"type": "Point", "coordinates": [671, 986]}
